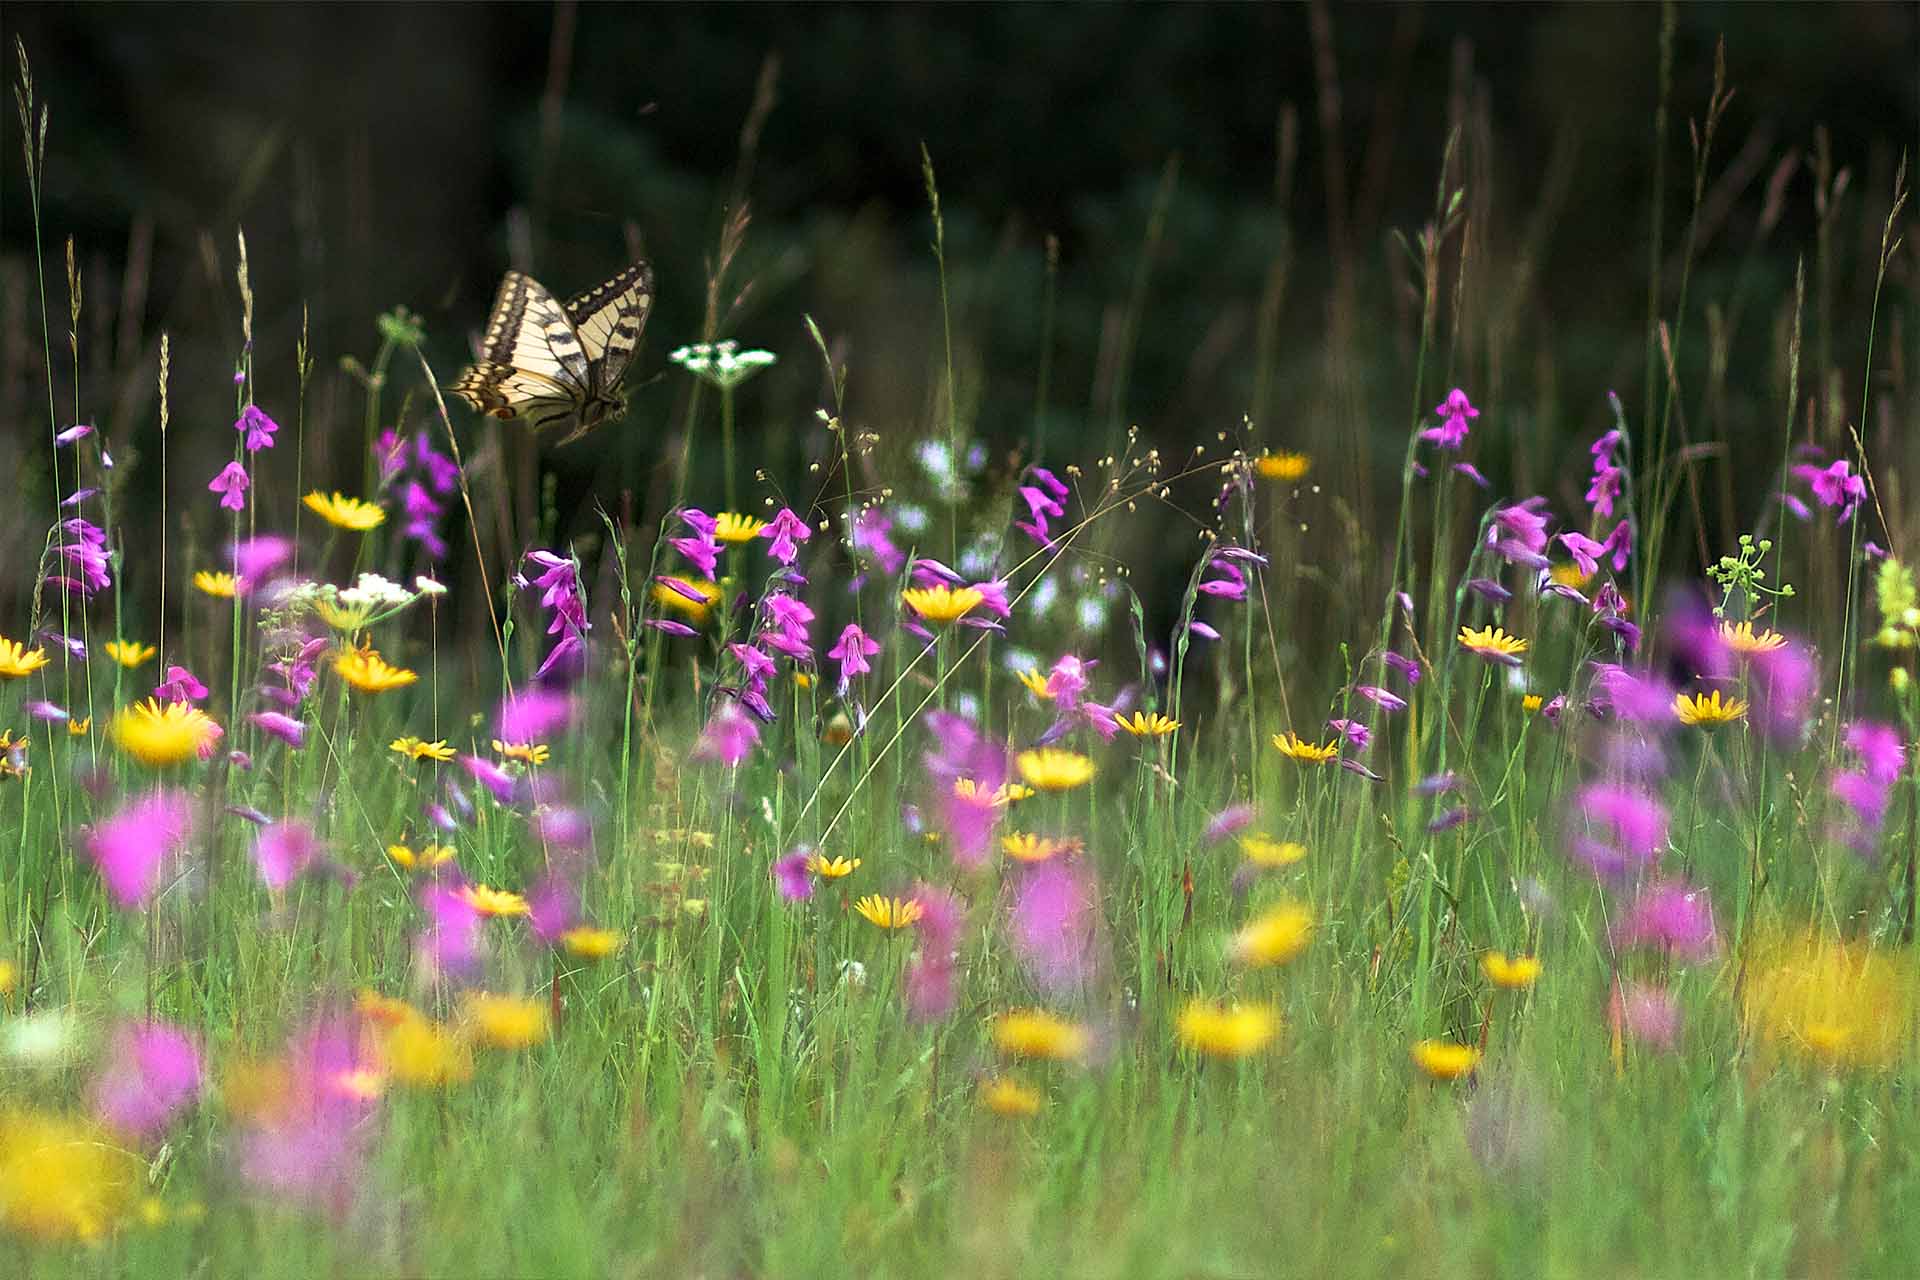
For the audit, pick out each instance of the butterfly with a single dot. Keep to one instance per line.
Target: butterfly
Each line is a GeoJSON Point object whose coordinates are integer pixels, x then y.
{"type": "Point", "coordinates": [546, 362]}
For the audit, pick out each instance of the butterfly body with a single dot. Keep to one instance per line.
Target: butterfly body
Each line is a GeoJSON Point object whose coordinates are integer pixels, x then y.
{"type": "Point", "coordinates": [548, 363]}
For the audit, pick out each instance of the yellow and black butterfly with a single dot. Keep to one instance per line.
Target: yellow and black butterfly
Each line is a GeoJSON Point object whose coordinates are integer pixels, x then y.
{"type": "Point", "coordinates": [546, 363]}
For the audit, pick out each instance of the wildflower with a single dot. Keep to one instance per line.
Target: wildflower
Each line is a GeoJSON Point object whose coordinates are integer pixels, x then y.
{"type": "Point", "coordinates": [1407, 667]}
{"type": "Point", "coordinates": [257, 427]}
{"type": "Point", "coordinates": [127, 654]}
{"type": "Point", "coordinates": [1034, 1033]}
{"type": "Point", "coordinates": [584, 942]}
{"type": "Point", "coordinates": [368, 672]}
{"type": "Point", "coordinates": [1878, 747]}
{"type": "Point", "coordinates": [1531, 702]}
{"type": "Point", "coordinates": [790, 875]}
{"type": "Point", "coordinates": [1274, 937]}
{"type": "Point", "coordinates": [1143, 725]}
{"type": "Point", "coordinates": [489, 901]}
{"type": "Point", "coordinates": [1385, 699]}
{"type": "Point", "coordinates": [221, 586]}
{"type": "Point", "coordinates": [832, 868]}
{"type": "Point", "coordinates": [504, 1022]}
{"type": "Point", "coordinates": [1024, 846]}
{"type": "Point", "coordinates": [1051, 923]}
{"type": "Point", "coordinates": [1518, 533]}
{"type": "Point", "coordinates": [153, 1071]}
{"type": "Point", "coordinates": [1035, 682]}
{"type": "Point", "coordinates": [1608, 479]}
{"type": "Point", "coordinates": [1489, 590]}
{"type": "Point", "coordinates": [17, 661]}
{"type": "Point", "coordinates": [417, 749]}
{"type": "Point", "coordinates": [1005, 1096]}
{"type": "Point", "coordinates": [851, 651]}
{"type": "Point", "coordinates": [60, 1178]}
{"type": "Point", "coordinates": [1264, 851]}
{"type": "Point", "coordinates": [1513, 973]}
{"type": "Point", "coordinates": [1835, 486]}
{"type": "Point", "coordinates": [1670, 916]}
{"type": "Point", "coordinates": [693, 600]}
{"type": "Point", "coordinates": [1227, 1031]}
{"type": "Point", "coordinates": [1231, 585]}
{"type": "Point", "coordinates": [1054, 769]}
{"type": "Point", "coordinates": [1445, 1060]}
{"type": "Point", "coordinates": [941, 603]}
{"type": "Point", "coordinates": [888, 913]}
{"type": "Point", "coordinates": [1625, 828]}
{"type": "Point", "coordinates": [282, 852]}
{"type": "Point", "coordinates": [342, 512]}
{"type": "Point", "coordinates": [1646, 1013]}
{"type": "Point", "coordinates": [1282, 466]}
{"type": "Point", "coordinates": [79, 728]}
{"type": "Point", "coordinates": [1742, 639]}
{"type": "Point", "coordinates": [729, 735]}
{"type": "Point", "coordinates": [231, 484]}
{"type": "Point", "coordinates": [1782, 683]}
{"type": "Point", "coordinates": [427, 855]}
{"type": "Point", "coordinates": [1294, 747]}
{"type": "Point", "coordinates": [1706, 710]}
{"type": "Point", "coordinates": [419, 1052]}
{"type": "Point", "coordinates": [134, 848]}
{"type": "Point", "coordinates": [1841, 1003]}
{"type": "Point", "coordinates": [532, 753]}
{"type": "Point", "coordinates": [161, 734]}
{"type": "Point", "coordinates": [1493, 644]}
{"type": "Point", "coordinates": [1229, 821]}
{"type": "Point", "coordinates": [1455, 411]}
{"type": "Point", "coordinates": [286, 728]}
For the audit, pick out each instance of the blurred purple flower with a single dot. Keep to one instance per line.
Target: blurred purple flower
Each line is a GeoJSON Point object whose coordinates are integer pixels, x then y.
{"type": "Point", "coordinates": [151, 1073]}
{"type": "Point", "coordinates": [791, 875]}
{"type": "Point", "coordinates": [1669, 916]}
{"type": "Point", "coordinates": [282, 851]}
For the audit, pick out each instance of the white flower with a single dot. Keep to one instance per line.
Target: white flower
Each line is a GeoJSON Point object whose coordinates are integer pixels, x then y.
{"type": "Point", "coordinates": [853, 973]}
{"type": "Point", "coordinates": [721, 363]}
{"type": "Point", "coordinates": [428, 587]}
{"type": "Point", "coordinates": [375, 591]}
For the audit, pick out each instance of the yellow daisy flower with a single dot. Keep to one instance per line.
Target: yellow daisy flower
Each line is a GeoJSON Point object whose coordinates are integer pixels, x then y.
{"type": "Point", "coordinates": [1005, 793]}
{"type": "Point", "coordinates": [489, 901]}
{"type": "Point", "coordinates": [1707, 710]}
{"type": "Point", "coordinates": [672, 601]}
{"type": "Point", "coordinates": [345, 513]}
{"type": "Point", "coordinates": [941, 603]}
{"type": "Point", "coordinates": [889, 913]}
{"type": "Point", "coordinates": [1054, 769]}
{"type": "Point", "coordinates": [418, 749]}
{"type": "Point", "coordinates": [160, 734]}
{"type": "Point", "coordinates": [1745, 641]}
{"type": "Point", "coordinates": [524, 752]}
{"type": "Point", "coordinates": [79, 728]}
{"type": "Point", "coordinates": [505, 1022]}
{"type": "Point", "coordinates": [129, 654]}
{"type": "Point", "coordinates": [1531, 702]}
{"type": "Point", "coordinates": [1445, 1060]}
{"type": "Point", "coordinates": [1035, 1033]}
{"type": "Point", "coordinates": [733, 528]}
{"type": "Point", "coordinates": [1282, 466]}
{"type": "Point", "coordinates": [62, 1178]}
{"type": "Point", "coordinates": [1142, 725]}
{"type": "Point", "coordinates": [1005, 1096]}
{"type": "Point", "coordinates": [427, 855]}
{"type": "Point", "coordinates": [1036, 683]}
{"type": "Point", "coordinates": [1493, 645]}
{"type": "Point", "coordinates": [584, 942]}
{"type": "Point", "coordinates": [1265, 851]}
{"type": "Point", "coordinates": [221, 586]}
{"type": "Point", "coordinates": [368, 672]}
{"type": "Point", "coordinates": [1227, 1031]}
{"type": "Point", "coordinates": [16, 660]}
{"type": "Point", "coordinates": [1294, 747]}
{"type": "Point", "coordinates": [1024, 846]}
{"type": "Point", "coordinates": [1514, 973]}
{"type": "Point", "coordinates": [832, 868]}
{"type": "Point", "coordinates": [1274, 937]}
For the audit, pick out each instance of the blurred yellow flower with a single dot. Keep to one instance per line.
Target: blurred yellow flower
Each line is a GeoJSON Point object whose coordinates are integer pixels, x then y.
{"type": "Point", "coordinates": [1275, 936]}
{"type": "Point", "coordinates": [584, 942]}
{"type": "Point", "coordinates": [61, 1178]}
{"type": "Point", "coordinates": [129, 654]}
{"type": "Point", "coordinates": [341, 617]}
{"type": "Point", "coordinates": [733, 528]}
{"type": "Point", "coordinates": [1282, 466]}
{"type": "Point", "coordinates": [1035, 1033]}
{"type": "Point", "coordinates": [524, 752]}
{"type": "Point", "coordinates": [420, 1052]}
{"type": "Point", "coordinates": [504, 1022]}
{"type": "Point", "coordinates": [941, 603]}
{"type": "Point", "coordinates": [693, 611]}
{"type": "Point", "coordinates": [1445, 1060]}
{"type": "Point", "coordinates": [1024, 846]}
{"type": "Point", "coordinates": [1005, 1096]}
{"type": "Point", "coordinates": [368, 672]}
{"type": "Point", "coordinates": [1745, 641]}
{"type": "Point", "coordinates": [79, 728]}
{"type": "Point", "coordinates": [161, 734]}
{"type": "Point", "coordinates": [416, 749]}
{"type": "Point", "coordinates": [1267, 852]}
{"type": "Point", "coordinates": [1842, 1003]}
{"type": "Point", "coordinates": [16, 660]}
{"type": "Point", "coordinates": [489, 901]}
{"type": "Point", "coordinates": [427, 855]}
{"type": "Point", "coordinates": [1515, 973]}
{"type": "Point", "coordinates": [1227, 1031]}
{"type": "Point", "coordinates": [1294, 747]}
{"type": "Point", "coordinates": [889, 913]}
{"type": "Point", "coordinates": [220, 585]}
{"type": "Point", "coordinates": [343, 512]}
{"type": "Point", "coordinates": [1055, 769]}
{"type": "Point", "coordinates": [1036, 683]}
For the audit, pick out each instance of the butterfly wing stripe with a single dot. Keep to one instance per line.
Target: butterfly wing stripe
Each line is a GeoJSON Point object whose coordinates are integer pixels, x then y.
{"type": "Point", "coordinates": [529, 330]}
{"type": "Point", "coordinates": [609, 319]}
{"type": "Point", "coordinates": [507, 392]}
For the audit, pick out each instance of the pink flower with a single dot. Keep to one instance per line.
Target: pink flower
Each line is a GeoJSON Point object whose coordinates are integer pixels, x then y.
{"type": "Point", "coordinates": [1455, 411]}
{"type": "Point", "coordinates": [258, 427]}
{"type": "Point", "coordinates": [491, 776]}
{"type": "Point", "coordinates": [1068, 680]}
{"type": "Point", "coordinates": [1645, 1013]}
{"type": "Point", "coordinates": [784, 532]}
{"type": "Point", "coordinates": [1518, 533]}
{"type": "Point", "coordinates": [1229, 821]}
{"type": "Point", "coordinates": [1051, 924]}
{"type": "Point", "coordinates": [256, 559]}
{"type": "Point", "coordinates": [1835, 486]}
{"type": "Point", "coordinates": [1623, 828]}
{"type": "Point", "coordinates": [851, 651]}
{"type": "Point", "coordinates": [930, 974]}
{"type": "Point", "coordinates": [282, 852]}
{"type": "Point", "coordinates": [450, 940]}
{"type": "Point", "coordinates": [134, 848]}
{"type": "Point", "coordinates": [1782, 684]}
{"type": "Point", "coordinates": [181, 685]}
{"type": "Point", "coordinates": [729, 735]}
{"type": "Point", "coordinates": [553, 907]}
{"type": "Point", "coordinates": [791, 875]}
{"type": "Point", "coordinates": [309, 1145]}
{"type": "Point", "coordinates": [533, 715]}
{"type": "Point", "coordinates": [284, 727]}
{"type": "Point", "coordinates": [152, 1072]}
{"type": "Point", "coordinates": [1879, 749]}
{"type": "Point", "coordinates": [872, 533]}
{"type": "Point", "coordinates": [231, 484]}
{"type": "Point", "coordinates": [1669, 916]}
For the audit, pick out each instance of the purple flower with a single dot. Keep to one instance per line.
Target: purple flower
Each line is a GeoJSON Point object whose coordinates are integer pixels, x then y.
{"type": "Point", "coordinates": [72, 435]}
{"type": "Point", "coordinates": [791, 876]}
{"type": "Point", "coordinates": [1489, 590]}
{"type": "Point", "coordinates": [1585, 551]}
{"type": "Point", "coordinates": [1231, 585]}
{"type": "Point", "coordinates": [1835, 486]}
{"type": "Point", "coordinates": [1448, 820]}
{"type": "Point", "coordinates": [1781, 682]}
{"type": "Point", "coordinates": [1670, 916]}
{"type": "Point", "coordinates": [1646, 1013]}
{"type": "Point", "coordinates": [282, 852]}
{"type": "Point", "coordinates": [257, 427]}
{"type": "Point", "coordinates": [1630, 696]}
{"type": "Point", "coordinates": [1879, 749]}
{"type": "Point", "coordinates": [1051, 924]}
{"type": "Point", "coordinates": [257, 559]}
{"type": "Point", "coordinates": [533, 715]}
{"type": "Point", "coordinates": [491, 776]}
{"type": "Point", "coordinates": [449, 942]}
{"type": "Point", "coordinates": [231, 484]}
{"type": "Point", "coordinates": [1382, 698]}
{"type": "Point", "coordinates": [1455, 411]}
{"type": "Point", "coordinates": [729, 735]}
{"type": "Point", "coordinates": [1229, 821]}
{"type": "Point", "coordinates": [152, 1072]}
{"type": "Point", "coordinates": [134, 848]}
{"type": "Point", "coordinates": [851, 651]}
{"type": "Point", "coordinates": [872, 533]}
{"type": "Point", "coordinates": [284, 727]}
{"type": "Point", "coordinates": [1406, 666]}
{"type": "Point", "coordinates": [1352, 731]}
{"type": "Point", "coordinates": [1624, 828]}
{"type": "Point", "coordinates": [181, 685]}
{"type": "Point", "coordinates": [784, 533]}
{"type": "Point", "coordinates": [1472, 473]}
{"type": "Point", "coordinates": [1518, 533]}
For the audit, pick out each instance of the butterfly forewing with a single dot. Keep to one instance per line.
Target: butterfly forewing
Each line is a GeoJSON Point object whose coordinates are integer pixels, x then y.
{"type": "Point", "coordinates": [506, 392]}
{"type": "Point", "coordinates": [608, 320]}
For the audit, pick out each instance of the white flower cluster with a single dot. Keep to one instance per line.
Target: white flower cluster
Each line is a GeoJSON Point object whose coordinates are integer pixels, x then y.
{"type": "Point", "coordinates": [374, 592]}
{"type": "Point", "coordinates": [721, 363]}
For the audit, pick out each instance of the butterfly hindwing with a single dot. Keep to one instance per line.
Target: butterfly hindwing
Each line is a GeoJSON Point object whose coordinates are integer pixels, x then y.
{"type": "Point", "coordinates": [508, 392]}
{"type": "Point", "coordinates": [608, 320]}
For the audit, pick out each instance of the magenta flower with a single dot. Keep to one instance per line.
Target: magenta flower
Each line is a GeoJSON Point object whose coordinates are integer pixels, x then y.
{"type": "Point", "coordinates": [1455, 412]}
{"type": "Point", "coordinates": [730, 734]}
{"type": "Point", "coordinates": [930, 974]}
{"type": "Point", "coordinates": [553, 907]}
{"type": "Point", "coordinates": [1068, 680]}
{"type": "Point", "coordinates": [181, 685]}
{"type": "Point", "coordinates": [1051, 924]}
{"type": "Point", "coordinates": [872, 533]}
{"type": "Point", "coordinates": [534, 715]}
{"type": "Point", "coordinates": [283, 851]}
{"type": "Point", "coordinates": [1879, 749]}
{"type": "Point", "coordinates": [152, 1072]}
{"type": "Point", "coordinates": [1385, 699]}
{"type": "Point", "coordinates": [449, 942]}
{"type": "Point", "coordinates": [1407, 667]}
{"type": "Point", "coordinates": [72, 435]}
{"type": "Point", "coordinates": [1631, 696]}
{"type": "Point", "coordinates": [1624, 828]}
{"type": "Point", "coordinates": [134, 848]}
{"type": "Point", "coordinates": [491, 776]}
{"type": "Point", "coordinates": [284, 727]}
{"type": "Point", "coordinates": [1608, 479]}
{"type": "Point", "coordinates": [1646, 1013]}
{"type": "Point", "coordinates": [1669, 916]}
{"type": "Point", "coordinates": [1518, 533]}
{"type": "Point", "coordinates": [1835, 486]}
{"type": "Point", "coordinates": [792, 876]}
{"type": "Point", "coordinates": [1229, 821]}
{"type": "Point", "coordinates": [1231, 585]}
{"type": "Point", "coordinates": [784, 533]}
{"type": "Point", "coordinates": [756, 667]}
{"type": "Point", "coordinates": [851, 651]}
{"type": "Point", "coordinates": [231, 484]}
{"type": "Point", "coordinates": [1353, 731]}
{"type": "Point", "coordinates": [257, 559]}
{"type": "Point", "coordinates": [1472, 473]}
{"type": "Point", "coordinates": [1782, 684]}
{"type": "Point", "coordinates": [310, 1147]}
{"type": "Point", "coordinates": [701, 548]}
{"type": "Point", "coordinates": [257, 427]}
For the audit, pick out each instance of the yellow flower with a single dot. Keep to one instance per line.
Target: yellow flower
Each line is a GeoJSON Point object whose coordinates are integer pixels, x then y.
{"type": "Point", "coordinates": [345, 513]}
{"type": "Point", "coordinates": [219, 585]}
{"type": "Point", "coordinates": [1745, 641]}
{"type": "Point", "coordinates": [489, 901]}
{"type": "Point", "coordinates": [61, 1178]}
{"type": "Point", "coordinates": [505, 1022]}
{"type": "Point", "coordinates": [1229, 1031]}
{"type": "Point", "coordinates": [343, 618]}
{"type": "Point", "coordinates": [78, 728]}
{"type": "Point", "coordinates": [1493, 644]}
{"type": "Point", "coordinates": [1515, 973]}
{"type": "Point", "coordinates": [420, 1052]}
{"type": "Point", "coordinates": [1843, 1004]}
{"type": "Point", "coordinates": [668, 598]}
{"type": "Point", "coordinates": [9, 977]}
{"type": "Point", "coordinates": [1569, 575]}
{"type": "Point", "coordinates": [585, 942]}
{"type": "Point", "coordinates": [801, 680]}
{"type": "Point", "coordinates": [1035, 1033]}
{"type": "Point", "coordinates": [1282, 466]}
{"type": "Point", "coordinates": [1053, 769]}
{"type": "Point", "coordinates": [1036, 684]}
{"type": "Point", "coordinates": [427, 855]}
{"type": "Point", "coordinates": [1265, 851]}
{"type": "Point", "coordinates": [1295, 747]}
{"type": "Point", "coordinates": [1024, 846]}
{"type": "Point", "coordinates": [1445, 1060]}
{"type": "Point", "coordinates": [16, 660]}
{"type": "Point", "coordinates": [525, 752]}
{"type": "Point", "coordinates": [941, 603]}
{"type": "Point", "coordinates": [416, 749]}
{"type": "Point", "coordinates": [159, 734]}
{"type": "Point", "coordinates": [368, 672]}
{"type": "Point", "coordinates": [385, 1011]}
{"type": "Point", "coordinates": [1275, 936]}
{"type": "Point", "coordinates": [889, 913]}
{"type": "Point", "coordinates": [832, 868]}
{"type": "Point", "coordinates": [1142, 725]}
{"type": "Point", "coordinates": [1531, 702]}
{"type": "Point", "coordinates": [1707, 710]}
{"type": "Point", "coordinates": [733, 528]}
{"type": "Point", "coordinates": [129, 654]}
{"type": "Point", "coordinates": [1005, 793]}
{"type": "Point", "coordinates": [1005, 1096]}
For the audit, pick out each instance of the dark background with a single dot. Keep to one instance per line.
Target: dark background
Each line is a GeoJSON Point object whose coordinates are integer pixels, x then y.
{"type": "Point", "coordinates": [383, 155]}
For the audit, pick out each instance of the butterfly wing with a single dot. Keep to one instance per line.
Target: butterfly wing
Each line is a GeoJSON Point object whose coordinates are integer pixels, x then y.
{"type": "Point", "coordinates": [528, 333]}
{"type": "Point", "coordinates": [608, 320]}
{"type": "Point", "coordinates": [505, 391]}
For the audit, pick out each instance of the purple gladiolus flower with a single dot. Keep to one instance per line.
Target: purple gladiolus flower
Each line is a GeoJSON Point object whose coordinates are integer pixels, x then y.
{"type": "Point", "coordinates": [1835, 486]}
{"type": "Point", "coordinates": [1518, 533]}
{"type": "Point", "coordinates": [72, 435]}
{"type": "Point", "coordinates": [284, 727]}
{"type": "Point", "coordinates": [533, 715]}
{"type": "Point", "coordinates": [730, 734]}
{"type": "Point", "coordinates": [181, 685]}
{"type": "Point", "coordinates": [257, 427]}
{"type": "Point", "coordinates": [1382, 698]}
{"type": "Point", "coordinates": [231, 484]}
{"type": "Point", "coordinates": [491, 776]}
{"type": "Point", "coordinates": [851, 651]}
{"type": "Point", "coordinates": [1406, 666]}
{"type": "Point", "coordinates": [1455, 411]}
{"type": "Point", "coordinates": [1489, 590]}
{"type": "Point", "coordinates": [1472, 473]}
{"type": "Point", "coordinates": [1352, 731]}
{"type": "Point", "coordinates": [784, 532]}
{"type": "Point", "coordinates": [282, 852]}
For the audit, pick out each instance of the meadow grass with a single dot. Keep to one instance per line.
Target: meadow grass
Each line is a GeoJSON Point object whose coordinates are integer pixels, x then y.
{"type": "Point", "coordinates": [1282, 937]}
